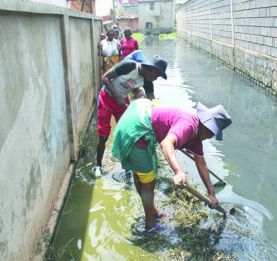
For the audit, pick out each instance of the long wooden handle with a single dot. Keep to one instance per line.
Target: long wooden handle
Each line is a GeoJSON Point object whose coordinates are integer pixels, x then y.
{"type": "Point", "coordinates": [203, 198]}
{"type": "Point", "coordinates": [191, 157]}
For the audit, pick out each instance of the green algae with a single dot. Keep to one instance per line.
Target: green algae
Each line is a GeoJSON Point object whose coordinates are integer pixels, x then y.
{"type": "Point", "coordinates": [170, 36]}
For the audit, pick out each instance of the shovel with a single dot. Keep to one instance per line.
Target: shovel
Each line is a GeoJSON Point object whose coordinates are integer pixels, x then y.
{"type": "Point", "coordinates": [203, 198]}
{"type": "Point", "coordinates": [227, 196]}
{"type": "Point", "coordinates": [221, 181]}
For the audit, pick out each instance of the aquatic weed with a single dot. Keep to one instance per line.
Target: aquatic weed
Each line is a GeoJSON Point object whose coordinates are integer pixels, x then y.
{"type": "Point", "coordinates": [184, 238]}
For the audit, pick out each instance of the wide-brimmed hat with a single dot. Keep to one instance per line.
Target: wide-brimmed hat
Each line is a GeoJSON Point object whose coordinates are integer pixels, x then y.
{"type": "Point", "coordinates": [157, 63]}
{"type": "Point", "coordinates": [215, 119]}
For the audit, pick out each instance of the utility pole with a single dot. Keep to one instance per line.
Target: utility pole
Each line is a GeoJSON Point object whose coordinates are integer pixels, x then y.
{"type": "Point", "coordinates": [114, 11]}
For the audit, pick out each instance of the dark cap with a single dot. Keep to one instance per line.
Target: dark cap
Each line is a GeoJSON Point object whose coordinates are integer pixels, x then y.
{"type": "Point", "coordinates": [157, 63]}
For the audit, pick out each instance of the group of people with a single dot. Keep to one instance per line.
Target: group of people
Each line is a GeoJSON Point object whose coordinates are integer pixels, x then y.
{"type": "Point", "coordinates": [141, 125]}
{"type": "Point", "coordinates": [115, 47]}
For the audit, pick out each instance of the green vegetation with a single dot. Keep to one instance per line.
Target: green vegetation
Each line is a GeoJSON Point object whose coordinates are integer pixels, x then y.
{"type": "Point", "coordinates": [195, 241]}
{"type": "Point", "coordinates": [139, 37]}
{"type": "Point", "coordinates": [82, 137]}
{"type": "Point", "coordinates": [171, 36]}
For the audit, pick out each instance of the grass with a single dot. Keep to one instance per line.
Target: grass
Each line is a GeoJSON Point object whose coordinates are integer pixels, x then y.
{"type": "Point", "coordinates": [171, 36]}
{"type": "Point", "coordinates": [139, 37]}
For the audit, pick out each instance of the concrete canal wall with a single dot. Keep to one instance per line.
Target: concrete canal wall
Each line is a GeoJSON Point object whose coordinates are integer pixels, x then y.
{"type": "Point", "coordinates": [49, 78]}
{"type": "Point", "coordinates": [241, 33]}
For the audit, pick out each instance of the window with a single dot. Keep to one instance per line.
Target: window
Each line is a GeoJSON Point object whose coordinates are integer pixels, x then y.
{"type": "Point", "coordinates": [152, 6]}
{"type": "Point", "coordinates": [148, 26]}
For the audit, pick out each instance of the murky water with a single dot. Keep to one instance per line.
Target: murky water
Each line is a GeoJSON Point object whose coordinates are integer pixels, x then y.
{"type": "Point", "coordinates": [103, 219]}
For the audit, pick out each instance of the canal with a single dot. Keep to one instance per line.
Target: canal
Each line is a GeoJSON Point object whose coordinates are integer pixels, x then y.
{"type": "Point", "coordinates": [103, 219]}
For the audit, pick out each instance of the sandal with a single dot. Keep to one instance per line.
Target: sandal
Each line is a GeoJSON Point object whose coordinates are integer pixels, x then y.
{"type": "Point", "coordinates": [156, 227]}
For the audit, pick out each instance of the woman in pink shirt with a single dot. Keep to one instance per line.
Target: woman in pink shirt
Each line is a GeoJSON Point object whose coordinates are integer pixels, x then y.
{"type": "Point", "coordinates": [128, 43]}
{"type": "Point", "coordinates": [143, 125]}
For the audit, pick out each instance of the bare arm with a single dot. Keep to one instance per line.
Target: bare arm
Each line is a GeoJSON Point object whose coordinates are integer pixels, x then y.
{"type": "Point", "coordinates": [139, 93]}
{"type": "Point", "coordinates": [107, 77]}
{"type": "Point", "coordinates": [167, 145]}
{"type": "Point", "coordinates": [204, 174]}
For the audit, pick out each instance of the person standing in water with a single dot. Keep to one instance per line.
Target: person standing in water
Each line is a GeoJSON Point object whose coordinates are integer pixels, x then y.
{"type": "Point", "coordinates": [143, 125]}
{"type": "Point", "coordinates": [126, 77]}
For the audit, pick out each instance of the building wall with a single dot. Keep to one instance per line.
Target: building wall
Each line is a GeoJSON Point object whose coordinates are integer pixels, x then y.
{"type": "Point", "coordinates": [103, 7]}
{"type": "Point", "coordinates": [128, 22]}
{"type": "Point", "coordinates": [82, 5]}
{"type": "Point", "coordinates": [62, 3]}
{"type": "Point", "coordinates": [161, 16]}
{"type": "Point", "coordinates": [130, 9]}
{"type": "Point", "coordinates": [48, 89]}
{"type": "Point", "coordinates": [167, 17]}
{"type": "Point", "coordinates": [242, 33]}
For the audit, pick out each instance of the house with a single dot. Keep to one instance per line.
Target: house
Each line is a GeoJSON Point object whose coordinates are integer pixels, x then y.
{"type": "Point", "coordinates": [82, 5]}
{"type": "Point", "coordinates": [154, 16]}
{"type": "Point", "coordinates": [128, 20]}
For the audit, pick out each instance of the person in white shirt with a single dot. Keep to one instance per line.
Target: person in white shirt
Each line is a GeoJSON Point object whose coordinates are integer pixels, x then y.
{"type": "Point", "coordinates": [110, 49]}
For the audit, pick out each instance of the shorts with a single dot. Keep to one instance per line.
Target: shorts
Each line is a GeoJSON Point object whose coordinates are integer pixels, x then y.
{"type": "Point", "coordinates": [108, 107]}
{"type": "Point", "coordinates": [140, 162]}
{"type": "Point", "coordinates": [145, 178]}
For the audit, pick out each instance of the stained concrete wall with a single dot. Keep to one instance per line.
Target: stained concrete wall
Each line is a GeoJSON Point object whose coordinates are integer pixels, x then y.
{"type": "Point", "coordinates": [162, 16]}
{"type": "Point", "coordinates": [49, 77]}
{"type": "Point", "coordinates": [242, 33]}
{"type": "Point", "coordinates": [130, 9]}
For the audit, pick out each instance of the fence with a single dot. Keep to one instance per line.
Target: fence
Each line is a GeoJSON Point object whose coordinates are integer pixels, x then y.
{"type": "Point", "coordinates": [242, 33]}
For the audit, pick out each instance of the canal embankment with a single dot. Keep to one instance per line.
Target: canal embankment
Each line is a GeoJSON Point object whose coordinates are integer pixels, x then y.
{"type": "Point", "coordinates": [242, 34]}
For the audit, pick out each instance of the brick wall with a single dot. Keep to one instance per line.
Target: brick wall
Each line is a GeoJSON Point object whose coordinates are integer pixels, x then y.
{"type": "Point", "coordinates": [255, 26]}
{"type": "Point", "coordinates": [85, 6]}
{"type": "Point", "coordinates": [131, 22]}
{"type": "Point", "coordinates": [242, 33]}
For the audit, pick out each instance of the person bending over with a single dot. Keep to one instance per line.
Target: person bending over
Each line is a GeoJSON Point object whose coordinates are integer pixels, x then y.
{"type": "Point", "coordinates": [143, 125]}
{"type": "Point", "coordinates": [127, 76]}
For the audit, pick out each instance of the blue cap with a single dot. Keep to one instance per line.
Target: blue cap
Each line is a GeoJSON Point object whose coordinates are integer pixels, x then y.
{"type": "Point", "coordinates": [137, 56]}
{"type": "Point", "coordinates": [215, 119]}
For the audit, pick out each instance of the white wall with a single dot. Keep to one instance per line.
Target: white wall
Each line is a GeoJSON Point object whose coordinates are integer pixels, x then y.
{"type": "Point", "coordinates": [62, 3]}
{"type": "Point", "coordinates": [103, 7]}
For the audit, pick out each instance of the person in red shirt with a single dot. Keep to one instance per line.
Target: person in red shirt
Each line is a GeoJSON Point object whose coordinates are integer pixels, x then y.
{"type": "Point", "coordinates": [128, 43]}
